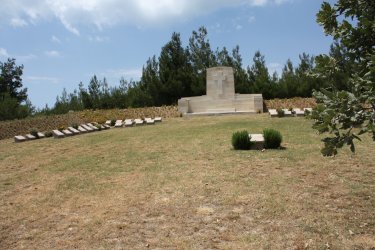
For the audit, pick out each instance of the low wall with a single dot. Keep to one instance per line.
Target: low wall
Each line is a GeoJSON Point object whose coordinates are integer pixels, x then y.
{"type": "Point", "coordinates": [205, 104]}
{"type": "Point", "coordinates": [296, 102]}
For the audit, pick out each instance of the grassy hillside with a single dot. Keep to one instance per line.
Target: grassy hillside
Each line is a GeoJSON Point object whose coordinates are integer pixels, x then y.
{"type": "Point", "coordinates": [9, 129]}
{"type": "Point", "coordinates": [179, 185]}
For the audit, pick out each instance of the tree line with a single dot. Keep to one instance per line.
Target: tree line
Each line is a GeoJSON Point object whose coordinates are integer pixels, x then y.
{"type": "Point", "coordinates": [178, 72]}
{"type": "Point", "coordinates": [181, 71]}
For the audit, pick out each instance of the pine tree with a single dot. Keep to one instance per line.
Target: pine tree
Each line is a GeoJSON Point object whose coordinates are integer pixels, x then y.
{"type": "Point", "coordinates": [201, 58]}
{"type": "Point", "coordinates": [259, 77]}
{"type": "Point", "coordinates": [13, 98]}
{"type": "Point", "coordinates": [175, 71]}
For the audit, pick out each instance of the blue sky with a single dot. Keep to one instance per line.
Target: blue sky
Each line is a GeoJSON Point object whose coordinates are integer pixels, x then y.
{"type": "Point", "coordinates": [63, 42]}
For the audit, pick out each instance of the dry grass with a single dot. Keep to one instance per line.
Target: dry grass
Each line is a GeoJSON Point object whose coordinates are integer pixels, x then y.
{"type": "Point", "coordinates": [179, 185]}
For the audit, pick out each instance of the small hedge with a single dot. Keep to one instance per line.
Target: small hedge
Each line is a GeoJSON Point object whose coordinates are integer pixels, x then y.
{"type": "Point", "coordinates": [241, 140]}
{"type": "Point", "coordinates": [272, 138]}
{"type": "Point", "coordinates": [34, 133]}
{"type": "Point", "coordinates": [48, 134]}
{"type": "Point", "coordinates": [280, 112]}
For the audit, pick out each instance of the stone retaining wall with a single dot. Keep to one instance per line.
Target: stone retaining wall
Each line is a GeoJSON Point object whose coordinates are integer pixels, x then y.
{"type": "Point", "coordinates": [9, 129]}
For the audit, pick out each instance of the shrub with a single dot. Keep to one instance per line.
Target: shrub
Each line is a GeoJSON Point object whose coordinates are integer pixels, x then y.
{"type": "Point", "coordinates": [48, 134]}
{"type": "Point", "coordinates": [75, 125]}
{"type": "Point", "coordinates": [307, 113]}
{"type": "Point", "coordinates": [61, 128]}
{"type": "Point", "coordinates": [241, 140]}
{"type": "Point", "coordinates": [34, 132]}
{"type": "Point", "coordinates": [98, 126]}
{"type": "Point", "coordinates": [280, 112]}
{"type": "Point", "coordinates": [113, 122]}
{"type": "Point", "coordinates": [272, 138]}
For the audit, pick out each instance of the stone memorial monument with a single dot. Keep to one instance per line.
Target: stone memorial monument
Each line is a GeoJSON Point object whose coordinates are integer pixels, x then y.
{"type": "Point", "coordinates": [221, 97]}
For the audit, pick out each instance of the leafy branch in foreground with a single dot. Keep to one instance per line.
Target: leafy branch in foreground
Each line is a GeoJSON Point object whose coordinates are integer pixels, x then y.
{"type": "Point", "coordinates": [347, 114]}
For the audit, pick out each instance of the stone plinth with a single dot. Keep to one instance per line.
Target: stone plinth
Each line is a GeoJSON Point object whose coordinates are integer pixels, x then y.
{"type": "Point", "coordinates": [19, 138]}
{"type": "Point", "coordinates": [257, 141]}
{"type": "Point", "coordinates": [221, 97]}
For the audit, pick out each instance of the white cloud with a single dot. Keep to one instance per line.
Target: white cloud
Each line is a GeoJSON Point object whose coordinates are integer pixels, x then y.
{"type": "Point", "coordinates": [52, 53]}
{"type": "Point", "coordinates": [18, 22]}
{"type": "Point", "coordinates": [239, 27]}
{"type": "Point", "coordinates": [251, 19]}
{"type": "Point", "coordinates": [23, 59]}
{"type": "Point", "coordinates": [55, 39]}
{"type": "Point", "coordinates": [259, 2]}
{"type": "Point", "coordinates": [20, 58]}
{"type": "Point", "coordinates": [99, 39]}
{"type": "Point", "coordinates": [272, 67]}
{"type": "Point", "coordinates": [116, 74]}
{"type": "Point", "coordinates": [103, 13]}
{"type": "Point", "coordinates": [42, 79]}
{"type": "Point", "coordinates": [4, 53]}
{"type": "Point", "coordinates": [278, 2]}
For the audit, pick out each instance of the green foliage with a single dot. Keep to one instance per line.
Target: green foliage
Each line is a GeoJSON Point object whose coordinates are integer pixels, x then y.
{"type": "Point", "coordinates": [201, 57]}
{"type": "Point", "coordinates": [272, 138]}
{"type": "Point", "coordinates": [34, 132]}
{"type": "Point", "coordinates": [75, 125]}
{"type": "Point", "coordinates": [11, 80]}
{"type": "Point", "coordinates": [175, 71]}
{"type": "Point", "coordinates": [113, 122]}
{"type": "Point", "coordinates": [280, 112]}
{"type": "Point", "coordinates": [241, 140]}
{"type": "Point", "coordinates": [13, 98]}
{"type": "Point", "coordinates": [48, 134]}
{"type": "Point", "coordinates": [349, 112]}
{"type": "Point", "coordinates": [307, 114]}
{"type": "Point", "coordinates": [98, 126]}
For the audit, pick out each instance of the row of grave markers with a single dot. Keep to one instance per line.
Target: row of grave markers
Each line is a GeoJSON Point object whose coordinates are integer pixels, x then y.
{"type": "Point", "coordinates": [287, 112]}
{"type": "Point", "coordinates": [86, 128]}
{"type": "Point", "coordinates": [135, 122]}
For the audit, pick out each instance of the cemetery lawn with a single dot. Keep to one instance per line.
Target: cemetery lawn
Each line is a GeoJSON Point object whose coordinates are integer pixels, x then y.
{"type": "Point", "coordinates": [179, 185]}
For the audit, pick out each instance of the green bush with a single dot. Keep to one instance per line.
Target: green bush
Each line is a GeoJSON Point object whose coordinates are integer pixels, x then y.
{"type": "Point", "coordinates": [34, 132]}
{"type": "Point", "coordinates": [241, 140]}
{"type": "Point", "coordinates": [48, 134]}
{"type": "Point", "coordinates": [98, 126]}
{"type": "Point", "coordinates": [75, 125]}
{"type": "Point", "coordinates": [280, 112]}
{"type": "Point", "coordinates": [113, 122]}
{"type": "Point", "coordinates": [272, 138]}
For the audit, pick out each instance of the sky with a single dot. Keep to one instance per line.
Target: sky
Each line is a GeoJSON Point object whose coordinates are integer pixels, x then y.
{"type": "Point", "coordinates": [64, 42]}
